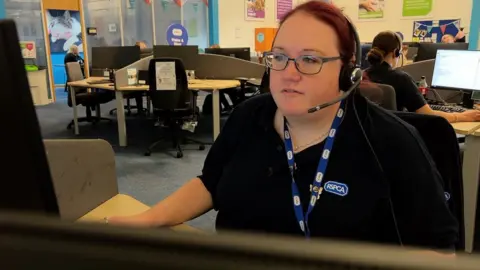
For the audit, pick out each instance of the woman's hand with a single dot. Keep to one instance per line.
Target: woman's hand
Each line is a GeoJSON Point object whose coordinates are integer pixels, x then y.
{"type": "Point", "coordinates": [141, 220]}
{"type": "Point", "coordinates": [470, 116]}
{"type": "Point", "coordinates": [368, 5]}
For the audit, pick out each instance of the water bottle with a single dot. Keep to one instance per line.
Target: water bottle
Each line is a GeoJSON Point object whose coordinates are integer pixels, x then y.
{"type": "Point", "coordinates": [423, 86]}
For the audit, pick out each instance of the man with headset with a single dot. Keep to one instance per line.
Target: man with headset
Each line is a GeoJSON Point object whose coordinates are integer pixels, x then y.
{"type": "Point", "coordinates": [312, 161]}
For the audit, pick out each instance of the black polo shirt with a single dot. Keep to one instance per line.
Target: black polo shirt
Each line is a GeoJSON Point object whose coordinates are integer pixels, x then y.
{"type": "Point", "coordinates": [407, 94]}
{"type": "Point", "coordinates": [247, 174]}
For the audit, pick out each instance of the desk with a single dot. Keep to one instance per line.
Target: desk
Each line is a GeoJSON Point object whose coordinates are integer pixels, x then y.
{"type": "Point", "coordinates": [213, 86]}
{"type": "Point", "coordinates": [123, 205]}
{"type": "Point", "coordinates": [471, 174]}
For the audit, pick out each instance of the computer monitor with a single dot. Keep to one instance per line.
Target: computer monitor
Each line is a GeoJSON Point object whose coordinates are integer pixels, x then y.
{"type": "Point", "coordinates": [27, 242]}
{"type": "Point", "coordinates": [188, 54]}
{"type": "Point", "coordinates": [427, 51]}
{"type": "Point", "coordinates": [457, 70]}
{"type": "Point", "coordinates": [365, 49]}
{"type": "Point", "coordinates": [240, 53]}
{"type": "Point", "coordinates": [26, 184]}
{"type": "Point", "coordinates": [114, 57]}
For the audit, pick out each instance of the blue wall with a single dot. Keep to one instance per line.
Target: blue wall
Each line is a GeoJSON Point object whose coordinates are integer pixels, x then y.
{"type": "Point", "coordinates": [474, 26]}
{"type": "Point", "coordinates": [213, 21]}
{"type": "Point", "coordinates": [2, 9]}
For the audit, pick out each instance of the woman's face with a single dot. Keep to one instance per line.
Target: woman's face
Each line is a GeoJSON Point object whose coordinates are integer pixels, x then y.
{"type": "Point", "coordinates": [303, 35]}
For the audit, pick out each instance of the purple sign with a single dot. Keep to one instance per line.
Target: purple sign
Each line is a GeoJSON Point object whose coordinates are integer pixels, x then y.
{"type": "Point", "coordinates": [283, 7]}
{"type": "Point", "coordinates": [254, 9]}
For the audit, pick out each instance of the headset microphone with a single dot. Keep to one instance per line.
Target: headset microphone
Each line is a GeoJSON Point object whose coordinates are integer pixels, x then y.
{"type": "Point", "coordinates": [356, 79]}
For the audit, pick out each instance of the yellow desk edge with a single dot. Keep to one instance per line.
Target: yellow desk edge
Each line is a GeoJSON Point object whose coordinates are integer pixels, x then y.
{"type": "Point", "coordinates": [124, 205]}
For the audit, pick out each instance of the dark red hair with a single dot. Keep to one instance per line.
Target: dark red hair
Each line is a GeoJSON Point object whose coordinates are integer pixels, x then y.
{"type": "Point", "coordinates": [333, 16]}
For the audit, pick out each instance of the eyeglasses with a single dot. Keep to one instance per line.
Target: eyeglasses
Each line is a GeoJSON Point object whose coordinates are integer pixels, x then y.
{"type": "Point", "coordinates": [305, 64]}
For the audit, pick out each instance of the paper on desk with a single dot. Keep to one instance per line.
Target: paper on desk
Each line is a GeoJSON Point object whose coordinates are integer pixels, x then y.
{"type": "Point", "coordinates": [165, 76]}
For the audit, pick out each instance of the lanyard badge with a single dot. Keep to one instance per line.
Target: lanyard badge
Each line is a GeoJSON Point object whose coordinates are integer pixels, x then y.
{"type": "Point", "coordinates": [317, 188]}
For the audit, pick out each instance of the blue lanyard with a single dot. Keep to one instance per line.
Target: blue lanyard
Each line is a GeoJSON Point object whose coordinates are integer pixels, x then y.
{"type": "Point", "coordinates": [317, 188]}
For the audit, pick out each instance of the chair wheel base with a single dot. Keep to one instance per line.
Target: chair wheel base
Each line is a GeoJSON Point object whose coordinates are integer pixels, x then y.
{"type": "Point", "coordinates": [179, 154]}
{"type": "Point", "coordinates": [201, 147]}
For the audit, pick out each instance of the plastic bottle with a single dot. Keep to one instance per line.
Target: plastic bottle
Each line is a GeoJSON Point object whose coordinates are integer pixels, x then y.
{"type": "Point", "coordinates": [423, 86]}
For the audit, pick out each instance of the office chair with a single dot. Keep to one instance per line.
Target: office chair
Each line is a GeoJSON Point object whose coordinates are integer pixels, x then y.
{"type": "Point", "coordinates": [381, 94]}
{"type": "Point", "coordinates": [83, 97]}
{"type": "Point", "coordinates": [264, 84]}
{"type": "Point", "coordinates": [174, 107]}
{"type": "Point", "coordinates": [441, 142]}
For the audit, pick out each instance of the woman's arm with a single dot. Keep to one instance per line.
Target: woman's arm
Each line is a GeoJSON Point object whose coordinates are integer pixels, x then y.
{"type": "Point", "coordinates": [188, 202]}
{"type": "Point", "coordinates": [467, 116]}
{"type": "Point", "coordinates": [196, 196]}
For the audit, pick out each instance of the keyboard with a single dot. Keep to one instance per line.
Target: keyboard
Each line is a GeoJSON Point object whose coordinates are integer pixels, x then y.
{"type": "Point", "coordinates": [447, 108]}
{"type": "Point", "coordinates": [99, 81]}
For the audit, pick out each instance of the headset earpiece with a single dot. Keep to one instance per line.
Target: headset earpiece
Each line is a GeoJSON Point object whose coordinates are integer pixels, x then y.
{"type": "Point", "coordinates": [349, 74]}
{"type": "Point", "coordinates": [397, 51]}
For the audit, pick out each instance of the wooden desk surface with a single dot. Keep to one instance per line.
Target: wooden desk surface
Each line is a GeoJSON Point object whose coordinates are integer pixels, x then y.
{"type": "Point", "coordinates": [204, 85]}
{"type": "Point", "coordinates": [123, 205]}
{"type": "Point", "coordinates": [84, 83]}
{"type": "Point", "coordinates": [467, 128]}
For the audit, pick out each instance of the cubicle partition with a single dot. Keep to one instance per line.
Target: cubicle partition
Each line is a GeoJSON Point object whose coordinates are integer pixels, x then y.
{"type": "Point", "coordinates": [425, 68]}
{"type": "Point", "coordinates": [83, 174]}
{"type": "Point", "coordinates": [212, 66]}
{"type": "Point", "coordinates": [121, 76]}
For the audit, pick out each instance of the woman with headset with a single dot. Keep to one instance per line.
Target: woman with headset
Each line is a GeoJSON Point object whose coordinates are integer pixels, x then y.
{"type": "Point", "coordinates": [383, 58]}
{"type": "Point", "coordinates": [313, 158]}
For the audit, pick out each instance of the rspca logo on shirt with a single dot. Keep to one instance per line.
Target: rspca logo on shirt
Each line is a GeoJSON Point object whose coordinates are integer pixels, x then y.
{"type": "Point", "coordinates": [336, 188]}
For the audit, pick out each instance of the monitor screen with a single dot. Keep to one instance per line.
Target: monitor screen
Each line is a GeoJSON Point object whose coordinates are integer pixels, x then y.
{"type": "Point", "coordinates": [427, 51]}
{"type": "Point", "coordinates": [457, 70]}
{"type": "Point", "coordinates": [188, 54]}
{"type": "Point", "coordinates": [365, 49]}
{"type": "Point", "coordinates": [240, 53]}
{"type": "Point", "coordinates": [29, 241]}
{"type": "Point", "coordinates": [114, 57]}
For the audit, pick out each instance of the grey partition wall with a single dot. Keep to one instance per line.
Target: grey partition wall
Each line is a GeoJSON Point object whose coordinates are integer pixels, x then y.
{"type": "Point", "coordinates": [425, 68]}
{"type": "Point", "coordinates": [83, 174]}
{"type": "Point", "coordinates": [419, 69]}
{"type": "Point", "coordinates": [121, 78]}
{"type": "Point", "coordinates": [212, 66]}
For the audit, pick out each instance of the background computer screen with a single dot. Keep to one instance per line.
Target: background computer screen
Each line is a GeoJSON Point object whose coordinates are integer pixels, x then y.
{"type": "Point", "coordinates": [457, 70]}
{"type": "Point", "coordinates": [114, 57]}
{"type": "Point", "coordinates": [240, 53]}
{"type": "Point", "coordinates": [365, 49]}
{"type": "Point", "coordinates": [188, 54]}
{"type": "Point", "coordinates": [427, 51]}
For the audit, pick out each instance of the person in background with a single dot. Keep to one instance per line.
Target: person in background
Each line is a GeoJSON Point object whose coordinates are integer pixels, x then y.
{"type": "Point", "coordinates": [260, 170]}
{"type": "Point", "coordinates": [383, 61]}
{"type": "Point", "coordinates": [447, 38]}
{"type": "Point", "coordinates": [460, 36]}
{"type": "Point", "coordinates": [139, 95]}
{"type": "Point", "coordinates": [73, 56]}
{"type": "Point", "coordinates": [141, 45]}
